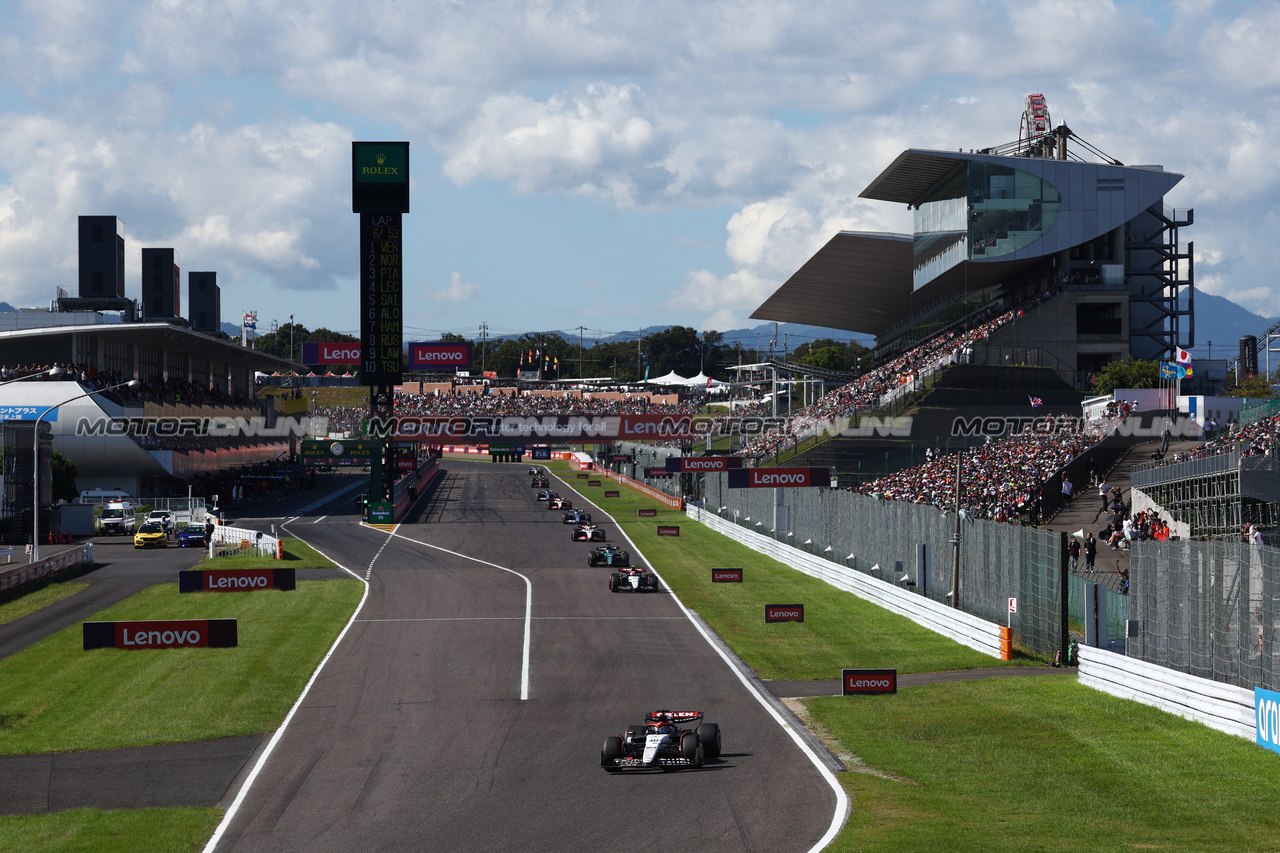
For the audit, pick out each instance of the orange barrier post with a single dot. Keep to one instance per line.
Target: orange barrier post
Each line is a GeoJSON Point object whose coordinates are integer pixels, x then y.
{"type": "Point", "coordinates": [1006, 644]}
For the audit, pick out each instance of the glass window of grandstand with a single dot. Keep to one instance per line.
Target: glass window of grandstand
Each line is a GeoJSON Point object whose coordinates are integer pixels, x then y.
{"type": "Point", "coordinates": [940, 241]}
{"type": "Point", "coordinates": [1008, 209]}
{"type": "Point", "coordinates": [1098, 318]}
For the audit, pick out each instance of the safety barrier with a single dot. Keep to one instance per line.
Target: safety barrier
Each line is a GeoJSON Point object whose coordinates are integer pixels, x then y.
{"type": "Point", "coordinates": [238, 541]}
{"type": "Point", "coordinates": [12, 578]}
{"type": "Point", "coordinates": [670, 500]}
{"type": "Point", "coordinates": [1219, 706]}
{"type": "Point", "coordinates": [966, 629]}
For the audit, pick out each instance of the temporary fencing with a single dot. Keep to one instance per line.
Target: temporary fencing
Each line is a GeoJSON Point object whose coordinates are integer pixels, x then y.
{"type": "Point", "coordinates": [241, 542]}
{"type": "Point", "coordinates": [881, 537]}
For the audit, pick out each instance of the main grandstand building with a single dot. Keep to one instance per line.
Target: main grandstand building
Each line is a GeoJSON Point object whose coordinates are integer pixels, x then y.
{"type": "Point", "coordinates": [1001, 225]}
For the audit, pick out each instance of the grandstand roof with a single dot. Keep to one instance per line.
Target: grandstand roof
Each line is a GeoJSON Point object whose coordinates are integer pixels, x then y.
{"type": "Point", "coordinates": [857, 282]}
{"type": "Point", "coordinates": [913, 176]}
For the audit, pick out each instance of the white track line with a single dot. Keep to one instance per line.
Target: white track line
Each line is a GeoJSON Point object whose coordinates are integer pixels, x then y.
{"type": "Point", "coordinates": [528, 603]}
{"type": "Point", "coordinates": [842, 799]}
{"type": "Point", "coordinates": [279, 733]}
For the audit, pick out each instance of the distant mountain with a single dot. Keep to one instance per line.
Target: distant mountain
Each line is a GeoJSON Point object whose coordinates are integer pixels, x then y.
{"type": "Point", "coordinates": [1223, 322]}
{"type": "Point", "coordinates": [5, 306]}
{"type": "Point", "coordinates": [792, 334]}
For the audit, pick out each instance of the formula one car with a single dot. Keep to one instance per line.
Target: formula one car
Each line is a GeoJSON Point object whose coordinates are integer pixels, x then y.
{"type": "Point", "coordinates": [587, 533]}
{"type": "Point", "coordinates": [660, 744]}
{"type": "Point", "coordinates": [546, 495]}
{"type": "Point", "coordinates": [609, 555]}
{"type": "Point", "coordinates": [538, 483]}
{"type": "Point", "coordinates": [577, 516]}
{"type": "Point", "coordinates": [632, 579]}
{"type": "Point", "coordinates": [559, 503]}
{"type": "Point", "coordinates": [535, 471]}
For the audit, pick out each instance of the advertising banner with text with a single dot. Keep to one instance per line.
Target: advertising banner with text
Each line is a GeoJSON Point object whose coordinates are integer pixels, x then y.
{"type": "Point", "coordinates": [684, 464]}
{"type": "Point", "coordinates": [775, 478]}
{"type": "Point", "coordinates": [440, 355]}
{"type": "Point", "coordinates": [335, 353]}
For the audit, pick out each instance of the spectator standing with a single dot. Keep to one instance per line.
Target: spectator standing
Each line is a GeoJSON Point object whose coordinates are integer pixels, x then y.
{"type": "Point", "coordinates": [1090, 553]}
{"type": "Point", "coordinates": [1066, 490]}
{"type": "Point", "coordinates": [1104, 492]}
{"type": "Point", "coordinates": [1074, 550]}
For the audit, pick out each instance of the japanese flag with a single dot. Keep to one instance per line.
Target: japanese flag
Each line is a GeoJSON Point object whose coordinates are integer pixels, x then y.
{"type": "Point", "coordinates": [1184, 357]}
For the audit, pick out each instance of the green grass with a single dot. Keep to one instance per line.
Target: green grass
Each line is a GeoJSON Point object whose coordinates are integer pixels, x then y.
{"type": "Point", "coordinates": [297, 555]}
{"type": "Point", "coordinates": [29, 599]}
{"type": "Point", "coordinates": [840, 630]}
{"type": "Point", "coordinates": [97, 831]}
{"type": "Point", "coordinates": [58, 697]}
{"type": "Point", "coordinates": [1044, 764]}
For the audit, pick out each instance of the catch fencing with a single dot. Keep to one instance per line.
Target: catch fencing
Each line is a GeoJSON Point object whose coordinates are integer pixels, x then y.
{"type": "Point", "coordinates": [879, 537]}
{"type": "Point", "coordinates": [1208, 608]}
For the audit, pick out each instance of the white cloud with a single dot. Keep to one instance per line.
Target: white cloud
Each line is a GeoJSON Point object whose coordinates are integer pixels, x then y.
{"type": "Point", "coordinates": [456, 291]}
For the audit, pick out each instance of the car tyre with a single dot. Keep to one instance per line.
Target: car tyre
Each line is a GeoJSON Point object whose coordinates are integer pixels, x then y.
{"type": "Point", "coordinates": [709, 735]}
{"type": "Point", "coordinates": [653, 584]}
{"type": "Point", "coordinates": [691, 748]}
{"type": "Point", "coordinates": [614, 580]}
{"type": "Point", "coordinates": [611, 750]}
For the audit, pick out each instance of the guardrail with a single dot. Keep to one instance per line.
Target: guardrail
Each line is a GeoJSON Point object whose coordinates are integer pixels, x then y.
{"type": "Point", "coordinates": [1219, 706]}
{"type": "Point", "coordinates": [21, 575]}
{"type": "Point", "coordinates": [670, 500]}
{"type": "Point", "coordinates": [231, 541]}
{"type": "Point", "coordinates": [965, 628]}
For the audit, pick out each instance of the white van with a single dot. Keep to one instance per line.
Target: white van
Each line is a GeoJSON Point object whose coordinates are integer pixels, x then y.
{"type": "Point", "coordinates": [103, 496]}
{"type": "Point", "coordinates": [117, 518]}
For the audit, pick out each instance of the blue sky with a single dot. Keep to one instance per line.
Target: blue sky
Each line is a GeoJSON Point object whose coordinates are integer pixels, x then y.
{"type": "Point", "coordinates": [591, 164]}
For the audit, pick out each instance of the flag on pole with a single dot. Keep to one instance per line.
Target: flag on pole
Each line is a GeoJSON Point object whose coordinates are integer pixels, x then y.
{"type": "Point", "coordinates": [1036, 402]}
{"type": "Point", "coordinates": [250, 321]}
{"type": "Point", "coordinates": [522, 359]}
{"type": "Point", "coordinates": [1184, 357]}
{"type": "Point", "coordinates": [708, 383]}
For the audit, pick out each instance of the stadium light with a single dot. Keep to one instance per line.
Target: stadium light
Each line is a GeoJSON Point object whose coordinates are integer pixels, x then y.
{"type": "Point", "coordinates": [35, 461]}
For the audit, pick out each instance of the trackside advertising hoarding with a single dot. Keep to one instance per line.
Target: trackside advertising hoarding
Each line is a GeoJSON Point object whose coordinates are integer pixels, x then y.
{"type": "Point", "coordinates": [684, 464]}
{"type": "Point", "coordinates": [775, 478]}
{"type": "Point", "coordinates": [161, 634]}
{"type": "Point", "coordinates": [335, 353]}
{"type": "Point", "coordinates": [726, 575]}
{"type": "Point", "coordinates": [437, 355]}
{"type": "Point", "coordinates": [1266, 704]}
{"type": "Point", "coordinates": [859, 681]}
{"type": "Point", "coordinates": [668, 530]}
{"type": "Point", "coordinates": [236, 580]}
{"type": "Point", "coordinates": [784, 613]}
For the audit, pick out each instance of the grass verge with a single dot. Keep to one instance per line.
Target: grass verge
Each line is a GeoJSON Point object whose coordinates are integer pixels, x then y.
{"type": "Point", "coordinates": [98, 831]}
{"type": "Point", "coordinates": [58, 697]}
{"type": "Point", "coordinates": [840, 630]}
{"type": "Point", "coordinates": [20, 602]}
{"type": "Point", "coordinates": [297, 555]}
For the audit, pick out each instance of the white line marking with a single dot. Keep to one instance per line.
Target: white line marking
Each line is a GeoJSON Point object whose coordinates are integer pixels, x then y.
{"type": "Point", "coordinates": [279, 733]}
{"type": "Point", "coordinates": [528, 604]}
{"type": "Point", "coordinates": [842, 799]}
{"type": "Point", "coordinates": [320, 519]}
{"type": "Point", "coordinates": [392, 532]}
{"type": "Point", "coordinates": [535, 619]}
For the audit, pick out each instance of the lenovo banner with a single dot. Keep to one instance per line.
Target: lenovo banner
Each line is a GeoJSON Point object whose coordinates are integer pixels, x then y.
{"type": "Point", "coordinates": [784, 613]}
{"type": "Point", "coordinates": [340, 353]}
{"type": "Point", "coordinates": [656, 472]}
{"type": "Point", "coordinates": [672, 530]}
{"type": "Point", "coordinates": [620, 457]}
{"type": "Point", "coordinates": [611, 494]}
{"type": "Point", "coordinates": [583, 475]}
{"type": "Point", "coordinates": [236, 580]}
{"type": "Point", "coordinates": [858, 681]}
{"type": "Point", "coordinates": [161, 634]}
{"type": "Point", "coordinates": [726, 575]}
{"type": "Point", "coordinates": [593, 482]}
{"type": "Point", "coordinates": [775, 478]}
{"type": "Point", "coordinates": [648, 513]}
{"type": "Point", "coordinates": [440, 355]}
{"type": "Point", "coordinates": [677, 464]}
{"type": "Point", "coordinates": [653, 427]}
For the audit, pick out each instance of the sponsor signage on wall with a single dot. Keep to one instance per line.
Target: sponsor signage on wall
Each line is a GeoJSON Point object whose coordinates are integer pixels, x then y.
{"type": "Point", "coordinates": [1266, 704]}
{"type": "Point", "coordinates": [337, 353]}
{"type": "Point", "coordinates": [440, 355]}
{"type": "Point", "coordinates": [858, 681]}
{"type": "Point", "coordinates": [648, 513]}
{"type": "Point", "coordinates": [784, 613]}
{"type": "Point", "coordinates": [775, 478]}
{"type": "Point", "coordinates": [541, 452]}
{"type": "Point", "coordinates": [654, 427]}
{"type": "Point", "coordinates": [668, 530]}
{"type": "Point", "coordinates": [702, 463]}
{"type": "Point", "coordinates": [656, 472]}
{"type": "Point", "coordinates": [620, 457]}
{"type": "Point", "coordinates": [360, 452]}
{"type": "Point", "coordinates": [161, 634]}
{"type": "Point", "coordinates": [726, 575]}
{"type": "Point", "coordinates": [236, 580]}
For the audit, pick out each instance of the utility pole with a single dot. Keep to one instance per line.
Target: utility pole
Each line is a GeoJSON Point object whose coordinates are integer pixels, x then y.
{"type": "Point", "coordinates": [955, 540]}
{"type": "Point", "coordinates": [639, 337]}
{"type": "Point", "coordinates": [291, 337]}
{"type": "Point", "coordinates": [484, 344]}
{"type": "Point", "coordinates": [581, 373]}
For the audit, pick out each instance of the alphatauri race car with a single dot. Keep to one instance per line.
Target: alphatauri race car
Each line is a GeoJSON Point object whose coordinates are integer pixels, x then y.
{"type": "Point", "coordinates": [609, 555]}
{"type": "Point", "coordinates": [538, 483]}
{"type": "Point", "coordinates": [559, 503]}
{"type": "Point", "coordinates": [660, 743]}
{"type": "Point", "coordinates": [632, 579]}
{"type": "Point", "coordinates": [577, 516]}
{"type": "Point", "coordinates": [587, 533]}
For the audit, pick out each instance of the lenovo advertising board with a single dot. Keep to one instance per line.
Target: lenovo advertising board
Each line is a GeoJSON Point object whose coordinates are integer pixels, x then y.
{"type": "Point", "coordinates": [161, 634]}
{"type": "Point", "coordinates": [784, 613]}
{"type": "Point", "coordinates": [704, 464]}
{"type": "Point", "coordinates": [648, 513]}
{"type": "Point", "coordinates": [611, 494]}
{"type": "Point", "coordinates": [435, 356]}
{"type": "Point", "coordinates": [859, 681]}
{"type": "Point", "coordinates": [778, 478]}
{"type": "Point", "coordinates": [236, 580]}
{"type": "Point", "coordinates": [654, 427]}
{"type": "Point", "coordinates": [337, 353]}
{"type": "Point", "coordinates": [668, 530]}
{"type": "Point", "coordinates": [726, 575]}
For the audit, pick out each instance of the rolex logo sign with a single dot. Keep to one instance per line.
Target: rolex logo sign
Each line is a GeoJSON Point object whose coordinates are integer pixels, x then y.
{"type": "Point", "coordinates": [381, 158]}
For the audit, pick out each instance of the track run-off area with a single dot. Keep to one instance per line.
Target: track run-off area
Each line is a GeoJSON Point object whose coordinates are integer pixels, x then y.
{"type": "Point", "coordinates": [465, 704]}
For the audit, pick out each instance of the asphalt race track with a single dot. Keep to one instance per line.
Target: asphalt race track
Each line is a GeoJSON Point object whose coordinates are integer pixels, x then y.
{"type": "Point", "coordinates": [415, 736]}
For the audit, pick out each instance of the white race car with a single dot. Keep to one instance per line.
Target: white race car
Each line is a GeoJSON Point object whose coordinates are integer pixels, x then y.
{"type": "Point", "coordinates": [660, 744]}
{"type": "Point", "coordinates": [632, 579]}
